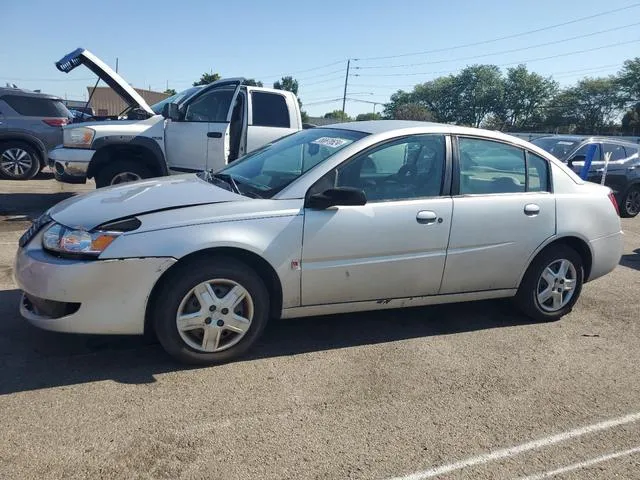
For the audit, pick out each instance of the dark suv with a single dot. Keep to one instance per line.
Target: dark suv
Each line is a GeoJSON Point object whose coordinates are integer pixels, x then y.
{"type": "Point", "coordinates": [623, 171]}
{"type": "Point", "coordinates": [30, 125]}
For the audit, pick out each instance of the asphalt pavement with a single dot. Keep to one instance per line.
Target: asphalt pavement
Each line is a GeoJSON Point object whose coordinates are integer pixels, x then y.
{"type": "Point", "coordinates": [469, 390]}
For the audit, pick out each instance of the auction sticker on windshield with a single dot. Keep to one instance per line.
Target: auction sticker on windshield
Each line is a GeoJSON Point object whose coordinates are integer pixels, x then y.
{"type": "Point", "coordinates": [330, 142]}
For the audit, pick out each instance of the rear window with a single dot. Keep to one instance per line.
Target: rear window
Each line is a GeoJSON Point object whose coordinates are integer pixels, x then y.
{"type": "Point", "coordinates": [269, 110]}
{"type": "Point", "coordinates": [37, 107]}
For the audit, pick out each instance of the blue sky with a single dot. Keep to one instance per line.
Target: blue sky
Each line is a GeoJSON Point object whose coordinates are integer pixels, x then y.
{"type": "Point", "coordinates": [159, 43]}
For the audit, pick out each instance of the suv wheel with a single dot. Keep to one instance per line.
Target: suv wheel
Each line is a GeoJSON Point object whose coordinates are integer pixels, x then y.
{"type": "Point", "coordinates": [18, 161]}
{"type": "Point", "coordinates": [630, 205]}
{"type": "Point", "coordinates": [552, 284]}
{"type": "Point", "coordinates": [122, 171]}
{"type": "Point", "coordinates": [211, 311]}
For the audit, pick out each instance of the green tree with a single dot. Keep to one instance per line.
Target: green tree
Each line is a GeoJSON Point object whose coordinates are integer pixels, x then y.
{"type": "Point", "coordinates": [593, 104]}
{"type": "Point", "coordinates": [412, 111]}
{"type": "Point", "coordinates": [338, 115]}
{"type": "Point", "coordinates": [629, 79]}
{"type": "Point", "coordinates": [368, 116]}
{"type": "Point", "coordinates": [287, 83]}
{"type": "Point", "coordinates": [525, 96]}
{"type": "Point", "coordinates": [169, 91]}
{"type": "Point", "coordinates": [305, 116]}
{"type": "Point", "coordinates": [479, 91]}
{"type": "Point", "coordinates": [631, 120]}
{"type": "Point", "coordinates": [252, 82]}
{"type": "Point", "coordinates": [207, 78]}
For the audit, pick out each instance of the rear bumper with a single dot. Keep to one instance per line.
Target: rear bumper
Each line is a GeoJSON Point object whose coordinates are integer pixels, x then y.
{"type": "Point", "coordinates": [70, 165]}
{"type": "Point", "coordinates": [606, 252]}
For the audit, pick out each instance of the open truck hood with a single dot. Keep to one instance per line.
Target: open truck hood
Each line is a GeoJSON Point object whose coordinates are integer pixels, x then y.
{"type": "Point", "coordinates": [84, 57]}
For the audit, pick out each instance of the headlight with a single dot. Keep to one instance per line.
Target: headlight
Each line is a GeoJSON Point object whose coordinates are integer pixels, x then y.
{"type": "Point", "coordinates": [80, 137]}
{"type": "Point", "coordinates": [58, 238]}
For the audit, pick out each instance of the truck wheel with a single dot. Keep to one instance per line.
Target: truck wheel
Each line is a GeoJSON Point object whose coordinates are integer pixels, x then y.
{"type": "Point", "coordinates": [630, 205]}
{"type": "Point", "coordinates": [18, 161]}
{"type": "Point", "coordinates": [121, 172]}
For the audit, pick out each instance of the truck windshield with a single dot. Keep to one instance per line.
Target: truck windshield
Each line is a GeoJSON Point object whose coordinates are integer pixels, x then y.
{"type": "Point", "coordinates": [177, 98]}
{"type": "Point", "coordinates": [268, 170]}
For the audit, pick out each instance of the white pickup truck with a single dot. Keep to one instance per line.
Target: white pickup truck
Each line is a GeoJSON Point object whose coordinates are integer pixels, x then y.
{"type": "Point", "coordinates": [198, 129]}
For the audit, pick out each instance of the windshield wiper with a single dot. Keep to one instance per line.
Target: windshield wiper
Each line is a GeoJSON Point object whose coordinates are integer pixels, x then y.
{"type": "Point", "coordinates": [228, 179]}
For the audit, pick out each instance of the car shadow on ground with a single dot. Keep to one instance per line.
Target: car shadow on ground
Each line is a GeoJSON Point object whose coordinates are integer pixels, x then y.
{"type": "Point", "coordinates": [31, 358]}
{"type": "Point", "coordinates": [631, 260]}
{"type": "Point", "coordinates": [30, 205]}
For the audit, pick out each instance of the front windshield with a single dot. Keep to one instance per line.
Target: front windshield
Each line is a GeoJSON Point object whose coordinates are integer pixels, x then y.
{"type": "Point", "coordinates": [177, 98]}
{"type": "Point", "coordinates": [558, 147]}
{"type": "Point", "coordinates": [268, 170]}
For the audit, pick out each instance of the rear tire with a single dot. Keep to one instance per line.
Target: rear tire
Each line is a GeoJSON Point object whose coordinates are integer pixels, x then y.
{"type": "Point", "coordinates": [630, 204]}
{"type": "Point", "coordinates": [197, 300]}
{"type": "Point", "coordinates": [121, 171]}
{"type": "Point", "coordinates": [546, 293]}
{"type": "Point", "coordinates": [18, 161]}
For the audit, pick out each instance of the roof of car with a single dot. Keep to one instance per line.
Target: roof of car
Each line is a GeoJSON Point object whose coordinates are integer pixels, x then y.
{"type": "Point", "coordinates": [25, 93]}
{"type": "Point", "coordinates": [582, 138]}
{"type": "Point", "coordinates": [381, 126]}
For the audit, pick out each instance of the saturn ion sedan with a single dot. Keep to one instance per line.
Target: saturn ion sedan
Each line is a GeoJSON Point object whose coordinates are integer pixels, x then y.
{"type": "Point", "coordinates": [345, 218]}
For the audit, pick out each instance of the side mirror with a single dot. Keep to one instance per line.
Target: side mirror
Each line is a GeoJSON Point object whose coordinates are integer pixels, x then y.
{"type": "Point", "coordinates": [337, 196]}
{"type": "Point", "coordinates": [576, 158]}
{"type": "Point", "coordinates": [171, 111]}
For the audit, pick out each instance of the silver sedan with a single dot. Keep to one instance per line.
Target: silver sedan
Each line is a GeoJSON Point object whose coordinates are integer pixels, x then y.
{"type": "Point", "coordinates": [350, 217]}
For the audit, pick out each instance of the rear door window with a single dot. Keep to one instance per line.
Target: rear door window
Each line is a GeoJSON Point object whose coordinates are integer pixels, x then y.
{"type": "Point", "coordinates": [618, 152]}
{"type": "Point", "coordinates": [36, 106]}
{"type": "Point", "coordinates": [269, 110]}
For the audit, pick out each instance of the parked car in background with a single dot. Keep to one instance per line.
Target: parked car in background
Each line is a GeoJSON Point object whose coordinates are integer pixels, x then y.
{"type": "Point", "coordinates": [623, 170]}
{"type": "Point", "coordinates": [30, 125]}
{"type": "Point", "coordinates": [198, 129]}
{"type": "Point", "coordinates": [344, 218]}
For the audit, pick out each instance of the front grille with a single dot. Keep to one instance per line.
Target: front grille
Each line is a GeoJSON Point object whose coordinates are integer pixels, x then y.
{"type": "Point", "coordinates": [48, 308]}
{"type": "Point", "coordinates": [35, 227]}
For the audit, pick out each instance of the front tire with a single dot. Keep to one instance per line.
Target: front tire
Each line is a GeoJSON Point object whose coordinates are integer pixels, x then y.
{"type": "Point", "coordinates": [630, 205]}
{"type": "Point", "coordinates": [211, 311]}
{"type": "Point", "coordinates": [121, 171]}
{"type": "Point", "coordinates": [18, 161]}
{"type": "Point", "coordinates": [552, 284]}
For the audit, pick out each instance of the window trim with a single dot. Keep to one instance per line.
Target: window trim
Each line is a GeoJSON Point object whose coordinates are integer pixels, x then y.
{"type": "Point", "coordinates": [445, 181]}
{"type": "Point", "coordinates": [286, 105]}
{"type": "Point", "coordinates": [455, 191]}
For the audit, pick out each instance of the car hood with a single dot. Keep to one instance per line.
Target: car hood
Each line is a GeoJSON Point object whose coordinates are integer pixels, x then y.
{"type": "Point", "coordinates": [84, 57]}
{"type": "Point", "coordinates": [137, 198]}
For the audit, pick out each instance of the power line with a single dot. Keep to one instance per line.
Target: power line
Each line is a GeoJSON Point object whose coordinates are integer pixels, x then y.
{"type": "Point", "coordinates": [473, 57]}
{"type": "Point", "coordinates": [602, 47]}
{"type": "Point", "coordinates": [304, 71]}
{"type": "Point", "coordinates": [326, 80]}
{"type": "Point", "coordinates": [322, 74]}
{"type": "Point", "coordinates": [506, 37]}
{"type": "Point", "coordinates": [552, 74]}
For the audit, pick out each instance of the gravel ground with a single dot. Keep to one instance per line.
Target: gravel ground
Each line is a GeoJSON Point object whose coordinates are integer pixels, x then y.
{"type": "Point", "coordinates": [364, 396]}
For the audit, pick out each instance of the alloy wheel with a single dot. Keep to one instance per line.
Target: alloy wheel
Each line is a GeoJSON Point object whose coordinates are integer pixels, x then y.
{"type": "Point", "coordinates": [632, 202]}
{"type": "Point", "coordinates": [214, 315]}
{"type": "Point", "coordinates": [16, 162]}
{"type": "Point", "coordinates": [556, 285]}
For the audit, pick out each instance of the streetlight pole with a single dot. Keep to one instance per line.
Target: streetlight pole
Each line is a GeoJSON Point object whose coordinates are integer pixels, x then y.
{"type": "Point", "coordinates": [346, 81]}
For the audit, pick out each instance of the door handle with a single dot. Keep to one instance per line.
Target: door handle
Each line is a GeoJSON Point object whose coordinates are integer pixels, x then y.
{"type": "Point", "coordinates": [214, 134]}
{"type": "Point", "coordinates": [426, 217]}
{"type": "Point", "coordinates": [531, 209]}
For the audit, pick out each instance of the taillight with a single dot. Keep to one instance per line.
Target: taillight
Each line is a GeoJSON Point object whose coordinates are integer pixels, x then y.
{"type": "Point", "coordinates": [615, 203]}
{"type": "Point", "coordinates": [56, 122]}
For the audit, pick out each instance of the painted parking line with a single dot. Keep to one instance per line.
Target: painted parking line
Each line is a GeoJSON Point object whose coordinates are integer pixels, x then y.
{"type": "Point", "coordinates": [583, 464]}
{"type": "Point", "coordinates": [525, 447]}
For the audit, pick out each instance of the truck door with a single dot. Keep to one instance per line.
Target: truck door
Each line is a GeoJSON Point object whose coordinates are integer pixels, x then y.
{"type": "Point", "coordinates": [269, 117]}
{"type": "Point", "coordinates": [200, 140]}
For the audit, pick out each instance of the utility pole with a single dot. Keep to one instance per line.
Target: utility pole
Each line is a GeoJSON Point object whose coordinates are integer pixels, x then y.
{"type": "Point", "coordinates": [346, 82]}
{"type": "Point", "coordinates": [116, 64]}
